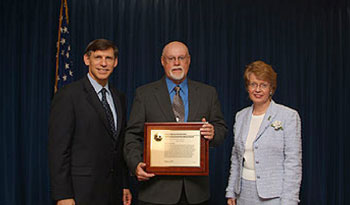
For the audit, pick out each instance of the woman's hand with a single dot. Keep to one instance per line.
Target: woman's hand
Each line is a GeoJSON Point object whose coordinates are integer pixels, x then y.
{"type": "Point", "coordinates": [231, 201]}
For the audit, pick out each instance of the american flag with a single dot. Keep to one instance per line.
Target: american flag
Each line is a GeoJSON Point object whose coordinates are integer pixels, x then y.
{"type": "Point", "coordinates": [64, 69]}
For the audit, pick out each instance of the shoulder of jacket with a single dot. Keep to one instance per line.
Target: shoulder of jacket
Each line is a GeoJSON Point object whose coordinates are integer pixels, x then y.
{"type": "Point", "coordinates": [285, 109]}
{"type": "Point", "coordinates": [200, 84]}
{"type": "Point", "coordinates": [242, 112]}
{"type": "Point", "coordinates": [70, 88]}
{"type": "Point", "coordinates": [149, 87]}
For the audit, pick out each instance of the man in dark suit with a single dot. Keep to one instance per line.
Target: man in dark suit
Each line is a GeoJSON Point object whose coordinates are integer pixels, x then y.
{"type": "Point", "coordinates": [155, 102]}
{"type": "Point", "coordinates": [86, 135]}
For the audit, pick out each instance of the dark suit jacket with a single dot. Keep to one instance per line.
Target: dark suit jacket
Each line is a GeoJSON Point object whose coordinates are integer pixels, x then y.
{"type": "Point", "coordinates": [85, 160]}
{"type": "Point", "coordinates": [152, 104]}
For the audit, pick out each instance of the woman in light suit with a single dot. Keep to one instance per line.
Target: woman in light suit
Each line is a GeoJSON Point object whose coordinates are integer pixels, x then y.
{"type": "Point", "coordinates": [266, 156]}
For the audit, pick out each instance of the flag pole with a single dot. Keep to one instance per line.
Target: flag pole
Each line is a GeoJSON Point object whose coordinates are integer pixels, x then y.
{"type": "Point", "coordinates": [58, 42]}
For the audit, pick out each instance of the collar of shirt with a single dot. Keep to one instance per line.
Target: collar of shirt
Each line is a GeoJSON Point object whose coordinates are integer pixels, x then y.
{"type": "Point", "coordinates": [171, 85]}
{"type": "Point", "coordinates": [97, 87]}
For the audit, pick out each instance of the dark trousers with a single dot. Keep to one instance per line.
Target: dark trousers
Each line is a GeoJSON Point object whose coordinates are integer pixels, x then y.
{"type": "Point", "coordinates": [101, 190]}
{"type": "Point", "coordinates": [182, 201]}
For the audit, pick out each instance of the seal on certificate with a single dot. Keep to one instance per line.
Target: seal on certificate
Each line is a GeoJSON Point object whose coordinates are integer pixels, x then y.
{"type": "Point", "coordinates": [158, 137]}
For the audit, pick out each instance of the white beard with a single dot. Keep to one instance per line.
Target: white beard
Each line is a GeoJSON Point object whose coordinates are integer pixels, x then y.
{"type": "Point", "coordinates": [177, 76]}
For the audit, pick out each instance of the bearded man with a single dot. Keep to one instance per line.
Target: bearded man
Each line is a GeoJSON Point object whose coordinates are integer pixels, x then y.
{"type": "Point", "coordinates": [154, 102]}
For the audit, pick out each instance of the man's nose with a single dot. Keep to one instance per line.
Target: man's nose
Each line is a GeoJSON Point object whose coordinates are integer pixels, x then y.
{"type": "Point", "coordinates": [103, 62]}
{"type": "Point", "coordinates": [177, 61]}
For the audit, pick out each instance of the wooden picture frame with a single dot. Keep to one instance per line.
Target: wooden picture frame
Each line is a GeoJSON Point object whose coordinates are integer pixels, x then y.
{"type": "Point", "coordinates": [175, 149]}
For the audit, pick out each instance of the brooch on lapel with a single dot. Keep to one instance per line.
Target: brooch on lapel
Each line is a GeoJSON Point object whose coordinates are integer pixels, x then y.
{"type": "Point", "coordinates": [277, 125]}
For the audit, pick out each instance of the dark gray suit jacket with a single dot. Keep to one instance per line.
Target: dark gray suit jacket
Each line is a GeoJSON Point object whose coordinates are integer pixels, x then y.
{"type": "Point", "coordinates": [85, 160]}
{"type": "Point", "coordinates": [152, 104]}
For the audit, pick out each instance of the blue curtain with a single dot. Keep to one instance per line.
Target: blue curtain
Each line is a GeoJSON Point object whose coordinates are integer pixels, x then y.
{"type": "Point", "coordinates": [28, 34]}
{"type": "Point", "coordinates": [307, 42]}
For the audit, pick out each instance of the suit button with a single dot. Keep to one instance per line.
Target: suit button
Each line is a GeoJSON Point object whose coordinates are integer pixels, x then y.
{"type": "Point", "coordinates": [257, 162]}
{"type": "Point", "coordinates": [256, 147]}
{"type": "Point", "coordinates": [111, 170]}
{"type": "Point", "coordinates": [258, 177]}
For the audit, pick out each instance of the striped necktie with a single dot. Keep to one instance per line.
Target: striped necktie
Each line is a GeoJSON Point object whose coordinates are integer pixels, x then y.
{"type": "Point", "coordinates": [108, 112]}
{"type": "Point", "coordinates": [178, 106]}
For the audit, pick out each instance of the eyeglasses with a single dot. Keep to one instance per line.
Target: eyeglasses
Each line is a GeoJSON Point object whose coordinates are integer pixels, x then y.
{"type": "Point", "coordinates": [262, 86]}
{"type": "Point", "coordinates": [173, 59]}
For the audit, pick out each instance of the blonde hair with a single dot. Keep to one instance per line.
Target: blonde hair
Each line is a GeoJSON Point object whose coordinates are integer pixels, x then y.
{"type": "Point", "coordinates": [262, 71]}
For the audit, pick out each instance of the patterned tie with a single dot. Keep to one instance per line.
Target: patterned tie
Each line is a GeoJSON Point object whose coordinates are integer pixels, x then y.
{"type": "Point", "coordinates": [178, 106]}
{"type": "Point", "coordinates": [108, 111]}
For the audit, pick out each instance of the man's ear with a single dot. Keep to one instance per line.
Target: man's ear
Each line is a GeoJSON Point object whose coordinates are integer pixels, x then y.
{"type": "Point", "coordinates": [86, 60]}
{"type": "Point", "coordinates": [115, 63]}
{"type": "Point", "coordinates": [162, 60]}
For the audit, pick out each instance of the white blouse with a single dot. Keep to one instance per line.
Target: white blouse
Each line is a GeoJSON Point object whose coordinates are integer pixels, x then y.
{"type": "Point", "coordinates": [248, 165]}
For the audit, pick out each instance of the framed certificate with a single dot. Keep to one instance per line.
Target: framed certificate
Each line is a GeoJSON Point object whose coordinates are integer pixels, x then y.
{"type": "Point", "coordinates": [175, 149]}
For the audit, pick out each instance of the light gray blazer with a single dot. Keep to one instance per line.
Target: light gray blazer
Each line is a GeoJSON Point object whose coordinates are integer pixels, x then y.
{"type": "Point", "coordinates": [277, 154]}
